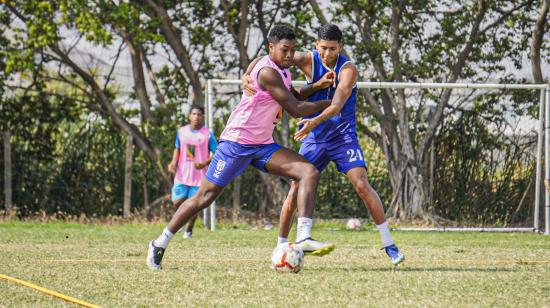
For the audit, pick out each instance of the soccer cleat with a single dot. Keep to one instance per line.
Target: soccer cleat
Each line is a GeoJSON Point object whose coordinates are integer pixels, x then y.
{"type": "Point", "coordinates": [154, 256]}
{"type": "Point", "coordinates": [187, 234]}
{"type": "Point", "coordinates": [395, 255]}
{"type": "Point", "coordinates": [312, 247]}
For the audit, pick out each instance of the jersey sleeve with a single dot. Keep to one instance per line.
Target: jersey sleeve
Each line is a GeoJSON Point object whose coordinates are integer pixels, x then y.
{"type": "Point", "coordinates": [212, 143]}
{"type": "Point", "coordinates": [177, 144]}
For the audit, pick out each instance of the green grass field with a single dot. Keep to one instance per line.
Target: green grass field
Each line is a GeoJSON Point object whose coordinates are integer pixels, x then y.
{"type": "Point", "coordinates": [105, 265]}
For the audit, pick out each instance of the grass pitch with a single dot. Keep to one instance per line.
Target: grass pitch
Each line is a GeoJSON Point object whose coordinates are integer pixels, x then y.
{"type": "Point", "coordinates": [105, 265]}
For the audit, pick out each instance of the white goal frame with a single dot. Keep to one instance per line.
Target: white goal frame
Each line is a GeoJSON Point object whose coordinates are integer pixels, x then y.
{"type": "Point", "coordinates": [543, 141]}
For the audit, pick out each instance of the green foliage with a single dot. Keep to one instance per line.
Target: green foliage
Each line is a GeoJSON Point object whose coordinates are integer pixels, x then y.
{"type": "Point", "coordinates": [61, 140]}
{"type": "Point", "coordinates": [485, 175]}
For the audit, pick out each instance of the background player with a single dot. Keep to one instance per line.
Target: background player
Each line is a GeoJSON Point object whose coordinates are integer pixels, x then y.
{"type": "Point", "coordinates": [195, 145]}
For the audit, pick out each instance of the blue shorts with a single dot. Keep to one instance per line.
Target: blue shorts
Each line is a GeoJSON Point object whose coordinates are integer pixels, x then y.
{"type": "Point", "coordinates": [181, 191]}
{"type": "Point", "coordinates": [345, 152]}
{"type": "Point", "coordinates": [231, 158]}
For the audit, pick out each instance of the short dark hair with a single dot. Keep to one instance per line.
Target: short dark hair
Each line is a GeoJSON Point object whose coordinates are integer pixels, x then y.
{"type": "Point", "coordinates": [280, 32]}
{"type": "Point", "coordinates": [196, 107]}
{"type": "Point", "coordinates": [330, 32]}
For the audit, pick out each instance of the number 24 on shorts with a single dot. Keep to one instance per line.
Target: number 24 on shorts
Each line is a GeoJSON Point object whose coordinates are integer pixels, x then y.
{"type": "Point", "coordinates": [354, 155]}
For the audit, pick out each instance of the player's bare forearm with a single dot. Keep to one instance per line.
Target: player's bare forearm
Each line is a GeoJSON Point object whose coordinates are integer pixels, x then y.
{"type": "Point", "coordinates": [342, 93]}
{"type": "Point", "coordinates": [338, 101]}
{"type": "Point", "coordinates": [302, 60]}
{"type": "Point", "coordinates": [304, 92]}
{"type": "Point", "coordinates": [307, 108]}
{"type": "Point", "coordinates": [326, 81]}
{"type": "Point", "coordinates": [251, 65]}
{"type": "Point", "coordinates": [273, 83]}
{"type": "Point", "coordinates": [174, 162]}
{"type": "Point", "coordinates": [328, 113]}
{"type": "Point", "coordinates": [207, 162]}
{"type": "Point", "coordinates": [175, 156]}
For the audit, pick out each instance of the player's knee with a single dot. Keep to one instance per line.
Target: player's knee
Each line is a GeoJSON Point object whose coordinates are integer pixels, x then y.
{"type": "Point", "coordinates": [293, 191]}
{"type": "Point", "coordinates": [192, 203]}
{"type": "Point", "coordinates": [311, 173]}
{"type": "Point", "coordinates": [362, 186]}
{"type": "Point", "coordinates": [205, 199]}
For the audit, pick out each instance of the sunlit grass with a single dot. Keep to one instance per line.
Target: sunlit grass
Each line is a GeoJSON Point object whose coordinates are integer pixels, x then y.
{"type": "Point", "coordinates": [105, 265]}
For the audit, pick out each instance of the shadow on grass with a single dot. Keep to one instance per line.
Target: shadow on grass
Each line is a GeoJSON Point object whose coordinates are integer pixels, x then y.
{"type": "Point", "coordinates": [416, 269]}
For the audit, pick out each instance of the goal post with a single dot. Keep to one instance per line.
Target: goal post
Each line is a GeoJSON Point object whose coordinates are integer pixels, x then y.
{"type": "Point", "coordinates": [543, 136]}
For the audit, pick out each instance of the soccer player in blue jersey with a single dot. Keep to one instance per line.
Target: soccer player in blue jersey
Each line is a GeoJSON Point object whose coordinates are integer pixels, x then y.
{"type": "Point", "coordinates": [331, 135]}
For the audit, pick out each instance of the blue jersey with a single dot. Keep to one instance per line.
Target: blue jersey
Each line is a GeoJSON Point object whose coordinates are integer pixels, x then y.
{"type": "Point", "coordinates": [340, 124]}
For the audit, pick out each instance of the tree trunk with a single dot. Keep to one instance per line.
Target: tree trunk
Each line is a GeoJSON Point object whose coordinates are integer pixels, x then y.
{"type": "Point", "coordinates": [109, 110]}
{"type": "Point", "coordinates": [285, 130]}
{"type": "Point", "coordinates": [276, 192]}
{"type": "Point", "coordinates": [145, 194]}
{"type": "Point", "coordinates": [236, 199]}
{"type": "Point", "coordinates": [153, 78]}
{"type": "Point", "coordinates": [7, 171]}
{"type": "Point", "coordinates": [536, 42]}
{"type": "Point", "coordinates": [139, 76]}
{"type": "Point", "coordinates": [411, 193]}
{"type": "Point", "coordinates": [174, 39]}
{"type": "Point", "coordinates": [128, 176]}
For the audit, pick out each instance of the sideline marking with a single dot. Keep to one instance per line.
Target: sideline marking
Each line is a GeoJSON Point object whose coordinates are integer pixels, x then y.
{"type": "Point", "coordinates": [370, 262]}
{"type": "Point", "coordinates": [49, 292]}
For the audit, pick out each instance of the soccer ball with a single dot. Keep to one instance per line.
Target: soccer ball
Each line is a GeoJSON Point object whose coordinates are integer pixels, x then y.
{"type": "Point", "coordinates": [353, 224]}
{"type": "Point", "coordinates": [287, 258]}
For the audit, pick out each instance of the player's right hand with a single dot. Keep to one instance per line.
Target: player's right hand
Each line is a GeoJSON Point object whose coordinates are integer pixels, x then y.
{"type": "Point", "coordinates": [248, 88]}
{"type": "Point", "coordinates": [171, 168]}
{"type": "Point", "coordinates": [328, 79]}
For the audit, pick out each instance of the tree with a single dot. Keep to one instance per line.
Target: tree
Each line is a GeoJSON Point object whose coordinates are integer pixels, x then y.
{"type": "Point", "coordinates": [423, 41]}
{"type": "Point", "coordinates": [540, 28]}
{"type": "Point", "coordinates": [242, 19]}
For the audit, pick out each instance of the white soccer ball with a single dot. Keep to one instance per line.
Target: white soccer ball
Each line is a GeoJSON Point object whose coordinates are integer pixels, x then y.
{"type": "Point", "coordinates": [287, 258]}
{"type": "Point", "coordinates": [353, 224]}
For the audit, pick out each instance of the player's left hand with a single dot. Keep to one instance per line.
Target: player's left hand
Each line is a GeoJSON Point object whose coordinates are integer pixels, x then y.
{"type": "Point", "coordinates": [248, 85]}
{"type": "Point", "coordinates": [328, 79]}
{"type": "Point", "coordinates": [308, 125]}
{"type": "Point", "coordinates": [200, 165]}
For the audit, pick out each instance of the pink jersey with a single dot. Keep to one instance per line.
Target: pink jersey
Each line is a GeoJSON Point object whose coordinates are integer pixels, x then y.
{"type": "Point", "coordinates": [193, 149]}
{"type": "Point", "coordinates": [254, 118]}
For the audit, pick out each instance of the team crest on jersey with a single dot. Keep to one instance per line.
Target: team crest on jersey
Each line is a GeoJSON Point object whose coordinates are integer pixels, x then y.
{"type": "Point", "coordinates": [219, 167]}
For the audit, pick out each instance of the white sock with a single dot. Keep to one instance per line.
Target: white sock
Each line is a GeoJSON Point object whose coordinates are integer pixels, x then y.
{"type": "Point", "coordinates": [164, 238]}
{"type": "Point", "coordinates": [282, 240]}
{"type": "Point", "coordinates": [385, 234]}
{"type": "Point", "coordinates": [304, 228]}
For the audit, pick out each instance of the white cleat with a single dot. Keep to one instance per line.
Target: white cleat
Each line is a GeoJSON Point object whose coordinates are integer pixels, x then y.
{"type": "Point", "coordinates": [312, 247]}
{"type": "Point", "coordinates": [154, 256]}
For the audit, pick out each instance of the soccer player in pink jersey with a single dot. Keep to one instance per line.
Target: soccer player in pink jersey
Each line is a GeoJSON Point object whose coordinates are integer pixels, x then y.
{"type": "Point", "coordinates": [248, 140]}
{"type": "Point", "coordinates": [195, 145]}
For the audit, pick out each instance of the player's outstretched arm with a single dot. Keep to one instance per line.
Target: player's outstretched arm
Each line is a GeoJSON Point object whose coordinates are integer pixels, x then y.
{"type": "Point", "coordinates": [347, 80]}
{"type": "Point", "coordinates": [303, 61]}
{"type": "Point", "coordinates": [270, 80]}
{"type": "Point", "coordinates": [326, 81]}
{"type": "Point", "coordinates": [246, 80]}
